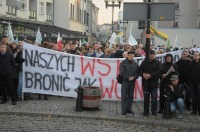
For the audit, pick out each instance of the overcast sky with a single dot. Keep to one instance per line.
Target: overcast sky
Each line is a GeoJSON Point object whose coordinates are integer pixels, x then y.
{"type": "Point", "coordinates": [105, 15]}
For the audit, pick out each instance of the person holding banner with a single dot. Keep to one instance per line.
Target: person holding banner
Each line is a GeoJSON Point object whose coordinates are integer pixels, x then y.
{"type": "Point", "coordinates": [7, 63]}
{"type": "Point", "coordinates": [150, 71]}
{"type": "Point", "coordinates": [129, 71]}
{"type": "Point", "coordinates": [168, 69]}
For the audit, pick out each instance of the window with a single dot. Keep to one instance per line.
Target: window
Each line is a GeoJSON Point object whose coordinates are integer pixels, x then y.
{"type": "Point", "coordinates": [1, 2]}
{"type": "Point", "coordinates": [87, 19]}
{"type": "Point", "coordinates": [71, 11]}
{"type": "Point", "coordinates": [23, 4]}
{"type": "Point", "coordinates": [11, 11]}
{"type": "Point", "coordinates": [176, 6]}
{"type": "Point", "coordinates": [80, 16]}
{"type": "Point", "coordinates": [199, 22]}
{"type": "Point", "coordinates": [41, 8]}
{"type": "Point", "coordinates": [175, 23]}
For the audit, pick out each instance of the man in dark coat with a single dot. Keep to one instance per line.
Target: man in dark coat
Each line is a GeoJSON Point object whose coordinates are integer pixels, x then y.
{"type": "Point", "coordinates": [129, 71]}
{"type": "Point", "coordinates": [195, 83]}
{"type": "Point", "coordinates": [7, 64]}
{"type": "Point", "coordinates": [150, 71]}
{"type": "Point", "coordinates": [183, 67]}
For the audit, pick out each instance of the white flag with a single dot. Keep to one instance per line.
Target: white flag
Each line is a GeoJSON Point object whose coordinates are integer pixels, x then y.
{"type": "Point", "coordinates": [38, 39]}
{"type": "Point", "coordinates": [80, 43]}
{"type": "Point", "coordinates": [175, 42]}
{"type": "Point", "coordinates": [131, 39]}
{"type": "Point", "coordinates": [112, 39]}
{"type": "Point", "coordinates": [10, 34]}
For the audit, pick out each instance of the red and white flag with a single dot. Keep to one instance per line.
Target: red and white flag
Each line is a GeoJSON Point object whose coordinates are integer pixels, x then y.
{"type": "Point", "coordinates": [59, 42]}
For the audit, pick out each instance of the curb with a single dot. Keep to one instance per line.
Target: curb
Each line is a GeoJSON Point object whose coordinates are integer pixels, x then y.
{"type": "Point", "coordinates": [141, 121]}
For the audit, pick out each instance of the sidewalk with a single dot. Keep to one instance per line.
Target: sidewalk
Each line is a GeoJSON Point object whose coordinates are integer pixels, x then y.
{"type": "Point", "coordinates": [110, 110]}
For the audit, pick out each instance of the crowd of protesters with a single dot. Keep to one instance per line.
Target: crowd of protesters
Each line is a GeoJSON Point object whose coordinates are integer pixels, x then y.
{"type": "Point", "coordinates": [184, 76]}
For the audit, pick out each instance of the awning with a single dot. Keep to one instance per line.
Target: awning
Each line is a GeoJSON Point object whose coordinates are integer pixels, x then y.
{"type": "Point", "coordinates": [44, 28]}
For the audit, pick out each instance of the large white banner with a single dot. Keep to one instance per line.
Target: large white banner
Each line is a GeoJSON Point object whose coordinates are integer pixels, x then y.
{"type": "Point", "coordinates": [55, 73]}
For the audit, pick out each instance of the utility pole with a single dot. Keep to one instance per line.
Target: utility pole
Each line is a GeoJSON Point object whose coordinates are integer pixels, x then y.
{"type": "Point", "coordinates": [148, 29]}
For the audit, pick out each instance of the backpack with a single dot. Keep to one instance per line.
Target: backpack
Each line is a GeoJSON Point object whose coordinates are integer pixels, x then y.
{"type": "Point", "coordinates": [119, 79]}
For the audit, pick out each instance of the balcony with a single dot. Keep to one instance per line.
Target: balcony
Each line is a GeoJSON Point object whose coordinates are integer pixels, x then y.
{"type": "Point", "coordinates": [33, 15]}
{"type": "Point", "coordinates": [11, 11]}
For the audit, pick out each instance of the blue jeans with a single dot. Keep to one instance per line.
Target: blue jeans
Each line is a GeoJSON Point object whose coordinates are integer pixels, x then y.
{"type": "Point", "coordinates": [19, 89]}
{"type": "Point", "coordinates": [179, 103]}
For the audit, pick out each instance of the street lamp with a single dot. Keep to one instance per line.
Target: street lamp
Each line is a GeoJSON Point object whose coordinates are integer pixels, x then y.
{"type": "Point", "coordinates": [113, 5]}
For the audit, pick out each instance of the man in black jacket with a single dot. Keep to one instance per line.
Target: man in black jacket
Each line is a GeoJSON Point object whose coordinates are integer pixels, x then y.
{"type": "Point", "coordinates": [195, 83]}
{"type": "Point", "coordinates": [7, 63]}
{"type": "Point", "coordinates": [129, 71]}
{"type": "Point", "coordinates": [150, 71]}
{"type": "Point", "coordinates": [183, 67]}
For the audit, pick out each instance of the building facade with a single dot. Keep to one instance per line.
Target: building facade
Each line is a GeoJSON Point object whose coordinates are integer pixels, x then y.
{"type": "Point", "coordinates": [31, 10]}
{"type": "Point", "coordinates": [69, 17]}
{"type": "Point", "coordinates": [185, 28]}
{"type": "Point", "coordinates": [187, 15]}
{"type": "Point", "coordinates": [92, 31]}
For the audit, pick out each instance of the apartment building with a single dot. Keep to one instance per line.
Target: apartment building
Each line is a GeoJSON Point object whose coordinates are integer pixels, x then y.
{"type": "Point", "coordinates": [187, 15]}
{"type": "Point", "coordinates": [69, 17]}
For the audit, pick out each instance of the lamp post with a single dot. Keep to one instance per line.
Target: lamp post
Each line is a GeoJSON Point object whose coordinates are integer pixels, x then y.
{"type": "Point", "coordinates": [113, 5]}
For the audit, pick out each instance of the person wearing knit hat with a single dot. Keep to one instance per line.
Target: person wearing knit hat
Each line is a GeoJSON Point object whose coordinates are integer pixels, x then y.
{"type": "Point", "coordinates": [176, 96]}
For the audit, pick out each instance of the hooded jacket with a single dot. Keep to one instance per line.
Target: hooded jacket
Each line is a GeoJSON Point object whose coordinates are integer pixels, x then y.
{"type": "Point", "coordinates": [165, 68]}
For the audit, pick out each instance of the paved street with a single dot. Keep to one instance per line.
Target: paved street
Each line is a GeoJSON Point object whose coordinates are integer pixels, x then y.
{"type": "Point", "coordinates": [58, 114]}
{"type": "Point", "coordinates": [46, 124]}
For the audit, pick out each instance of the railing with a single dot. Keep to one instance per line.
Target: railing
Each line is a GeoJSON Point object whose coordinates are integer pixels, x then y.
{"type": "Point", "coordinates": [11, 11]}
{"type": "Point", "coordinates": [49, 17]}
{"type": "Point", "coordinates": [174, 24]}
{"type": "Point", "coordinates": [33, 15]}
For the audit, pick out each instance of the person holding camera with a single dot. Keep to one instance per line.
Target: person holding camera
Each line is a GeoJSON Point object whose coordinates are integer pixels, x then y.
{"type": "Point", "coordinates": [176, 96]}
{"type": "Point", "coordinates": [129, 72]}
{"type": "Point", "coordinates": [168, 69]}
